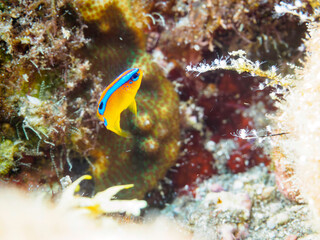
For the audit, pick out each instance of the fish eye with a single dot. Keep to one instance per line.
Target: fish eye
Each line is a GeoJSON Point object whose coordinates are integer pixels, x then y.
{"type": "Point", "coordinates": [135, 76]}
{"type": "Point", "coordinates": [101, 106]}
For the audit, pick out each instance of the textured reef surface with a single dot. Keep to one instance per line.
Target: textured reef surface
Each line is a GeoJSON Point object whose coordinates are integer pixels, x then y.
{"type": "Point", "coordinates": [241, 206]}
{"type": "Point", "coordinates": [213, 125]}
{"type": "Point", "coordinates": [50, 96]}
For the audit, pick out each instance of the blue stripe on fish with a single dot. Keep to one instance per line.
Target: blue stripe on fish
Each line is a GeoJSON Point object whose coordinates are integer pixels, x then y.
{"type": "Point", "coordinates": [118, 84]}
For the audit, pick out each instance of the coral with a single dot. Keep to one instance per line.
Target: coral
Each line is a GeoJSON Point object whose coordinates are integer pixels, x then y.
{"type": "Point", "coordinates": [298, 114]}
{"type": "Point", "coordinates": [219, 105]}
{"type": "Point", "coordinates": [295, 153]}
{"type": "Point", "coordinates": [227, 106]}
{"type": "Point", "coordinates": [38, 217]}
{"type": "Point", "coordinates": [37, 86]}
{"type": "Point", "coordinates": [106, 13]}
{"type": "Point", "coordinates": [121, 25]}
{"type": "Point", "coordinates": [215, 105]}
{"type": "Point", "coordinates": [101, 203]}
{"type": "Point", "coordinates": [144, 159]}
{"type": "Point", "coordinates": [56, 57]}
{"type": "Point", "coordinates": [222, 100]}
{"type": "Point", "coordinates": [242, 64]}
{"type": "Point", "coordinates": [300, 9]}
{"type": "Point", "coordinates": [51, 86]}
{"type": "Point", "coordinates": [240, 206]}
{"type": "Point", "coordinates": [286, 179]}
{"type": "Point", "coordinates": [222, 26]}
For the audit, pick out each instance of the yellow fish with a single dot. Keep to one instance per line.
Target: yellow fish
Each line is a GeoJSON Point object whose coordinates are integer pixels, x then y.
{"type": "Point", "coordinates": [117, 97]}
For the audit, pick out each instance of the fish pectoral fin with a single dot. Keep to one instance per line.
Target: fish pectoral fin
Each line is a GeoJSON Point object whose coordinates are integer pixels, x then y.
{"type": "Point", "coordinates": [133, 107]}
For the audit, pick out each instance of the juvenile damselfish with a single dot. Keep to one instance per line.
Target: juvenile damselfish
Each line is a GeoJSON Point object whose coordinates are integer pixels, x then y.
{"type": "Point", "coordinates": [117, 97]}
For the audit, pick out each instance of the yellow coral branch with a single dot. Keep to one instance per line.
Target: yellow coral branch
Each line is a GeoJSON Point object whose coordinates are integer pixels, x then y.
{"type": "Point", "coordinates": [102, 202]}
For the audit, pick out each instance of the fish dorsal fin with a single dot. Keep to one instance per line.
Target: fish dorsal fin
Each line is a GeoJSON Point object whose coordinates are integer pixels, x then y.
{"type": "Point", "coordinates": [133, 107]}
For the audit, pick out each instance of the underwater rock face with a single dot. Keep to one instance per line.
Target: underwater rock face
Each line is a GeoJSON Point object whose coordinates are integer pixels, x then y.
{"type": "Point", "coordinates": [62, 62]}
{"type": "Point", "coordinates": [285, 174]}
{"type": "Point", "coordinates": [56, 57]}
{"type": "Point", "coordinates": [38, 68]}
{"type": "Point", "coordinates": [240, 206]}
{"type": "Point", "coordinates": [206, 30]}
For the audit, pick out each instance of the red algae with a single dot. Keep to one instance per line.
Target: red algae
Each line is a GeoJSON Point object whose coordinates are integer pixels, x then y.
{"type": "Point", "coordinates": [96, 43]}
{"type": "Point", "coordinates": [194, 163]}
{"type": "Point", "coordinates": [221, 103]}
{"type": "Point", "coordinates": [202, 139]}
{"type": "Point", "coordinates": [246, 156]}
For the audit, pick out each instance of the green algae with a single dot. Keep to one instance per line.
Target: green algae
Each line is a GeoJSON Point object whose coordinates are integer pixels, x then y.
{"type": "Point", "coordinates": [7, 151]}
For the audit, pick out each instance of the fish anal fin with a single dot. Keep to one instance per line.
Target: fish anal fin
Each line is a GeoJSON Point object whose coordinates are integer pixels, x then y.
{"type": "Point", "coordinates": [133, 107]}
{"type": "Point", "coordinates": [115, 127]}
{"type": "Point", "coordinates": [123, 133]}
{"type": "Point", "coordinates": [120, 132]}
